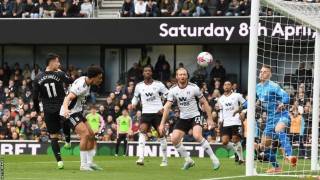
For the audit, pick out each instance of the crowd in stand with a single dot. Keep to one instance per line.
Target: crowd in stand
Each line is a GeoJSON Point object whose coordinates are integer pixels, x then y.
{"type": "Point", "coordinates": [45, 8]}
{"type": "Point", "coordinates": [20, 121]}
{"type": "Point", "coordinates": [185, 8]}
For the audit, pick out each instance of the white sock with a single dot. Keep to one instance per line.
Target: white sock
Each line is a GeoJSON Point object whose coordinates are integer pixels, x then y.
{"type": "Point", "coordinates": [83, 158]}
{"type": "Point", "coordinates": [206, 146]}
{"type": "Point", "coordinates": [142, 143]}
{"type": "Point", "coordinates": [183, 152]}
{"type": "Point", "coordinates": [163, 146]}
{"type": "Point", "coordinates": [238, 149]}
{"type": "Point", "coordinates": [90, 155]}
{"type": "Point", "coordinates": [230, 146]}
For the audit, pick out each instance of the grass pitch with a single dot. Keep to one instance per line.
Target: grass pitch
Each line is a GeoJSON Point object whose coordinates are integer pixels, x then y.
{"type": "Point", "coordinates": [44, 167]}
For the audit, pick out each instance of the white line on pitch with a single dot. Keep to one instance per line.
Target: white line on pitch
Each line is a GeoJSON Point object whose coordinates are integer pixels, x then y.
{"type": "Point", "coordinates": [228, 177]}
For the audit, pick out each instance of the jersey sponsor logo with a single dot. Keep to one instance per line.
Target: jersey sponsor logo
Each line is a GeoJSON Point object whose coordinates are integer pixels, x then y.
{"type": "Point", "coordinates": [183, 101]}
{"type": "Point", "coordinates": [149, 94]}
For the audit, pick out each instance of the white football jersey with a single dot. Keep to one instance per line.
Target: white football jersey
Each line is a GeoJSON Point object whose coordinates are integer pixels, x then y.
{"type": "Point", "coordinates": [80, 88]}
{"type": "Point", "coordinates": [228, 105]}
{"type": "Point", "coordinates": [150, 95]}
{"type": "Point", "coordinates": [186, 99]}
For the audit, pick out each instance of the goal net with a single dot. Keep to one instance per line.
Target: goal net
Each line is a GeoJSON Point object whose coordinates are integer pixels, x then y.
{"type": "Point", "coordinates": [286, 42]}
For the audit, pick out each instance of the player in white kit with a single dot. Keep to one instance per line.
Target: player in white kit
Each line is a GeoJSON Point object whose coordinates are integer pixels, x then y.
{"type": "Point", "coordinates": [72, 110]}
{"type": "Point", "coordinates": [229, 119]}
{"type": "Point", "coordinates": [188, 95]}
{"type": "Point", "coordinates": [150, 92]}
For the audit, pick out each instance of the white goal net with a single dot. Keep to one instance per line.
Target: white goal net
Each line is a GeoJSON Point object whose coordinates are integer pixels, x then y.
{"type": "Point", "coordinates": [286, 44]}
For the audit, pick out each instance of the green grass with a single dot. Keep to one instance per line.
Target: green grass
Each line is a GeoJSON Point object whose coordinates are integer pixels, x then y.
{"type": "Point", "coordinates": [43, 167]}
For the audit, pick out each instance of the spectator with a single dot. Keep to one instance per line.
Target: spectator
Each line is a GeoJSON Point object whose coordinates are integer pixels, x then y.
{"type": "Point", "coordinates": [134, 73]}
{"type": "Point", "coordinates": [297, 126]}
{"type": "Point", "coordinates": [18, 9]}
{"type": "Point", "coordinates": [235, 88]}
{"type": "Point", "coordinates": [49, 11]}
{"type": "Point", "coordinates": [31, 11]}
{"type": "Point", "coordinates": [201, 8]}
{"type": "Point", "coordinates": [212, 4]}
{"type": "Point", "coordinates": [26, 73]}
{"type": "Point", "coordinates": [166, 8]}
{"type": "Point", "coordinates": [6, 8]}
{"type": "Point", "coordinates": [218, 73]}
{"type": "Point", "coordinates": [233, 9]}
{"type": "Point", "coordinates": [74, 9]}
{"type": "Point", "coordinates": [127, 9]}
{"type": "Point", "coordinates": [164, 73]}
{"type": "Point", "coordinates": [140, 8]}
{"type": "Point", "coordinates": [62, 8]}
{"type": "Point", "coordinates": [177, 7]}
{"type": "Point", "coordinates": [222, 8]}
{"type": "Point", "coordinates": [188, 8]}
{"type": "Point", "coordinates": [151, 9]}
{"type": "Point", "coordinates": [245, 7]}
{"type": "Point", "coordinates": [86, 9]}
{"type": "Point", "coordinates": [41, 5]}
{"type": "Point", "coordinates": [144, 60]}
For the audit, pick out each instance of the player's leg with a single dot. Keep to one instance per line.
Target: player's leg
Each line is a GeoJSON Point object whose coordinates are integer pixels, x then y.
{"type": "Point", "coordinates": [236, 140]}
{"type": "Point", "coordinates": [181, 127]}
{"type": "Point", "coordinates": [197, 134]}
{"type": "Point", "coordinates": [52, 121]}
{"type": "Point", "coordinates": [284, 140]}
{"type": "Point", "coordinates": [91, 149]}
{"type": "Point", "coordinates": [267, 151]}
{"type": "Point", "coordinates": [82, 130]}
{"type": "Point", "coordinates": [125, 144]}
{"type": "Point", "coordinates": [67, 134]}
{"type": "Point", "coordinates": [118, 144]}
{"type": "Point", "coordinates": [144, 127]}
{"type": "Point", "coordinates": [163, 141]}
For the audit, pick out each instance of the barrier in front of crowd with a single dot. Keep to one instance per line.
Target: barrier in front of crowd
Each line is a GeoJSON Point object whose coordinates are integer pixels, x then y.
{"type": "Point", "coordinates": [152, 149]}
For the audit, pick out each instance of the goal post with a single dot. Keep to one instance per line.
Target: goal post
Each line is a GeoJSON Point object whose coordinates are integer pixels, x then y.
{"type": "Point", "coordinates": [285, 52]}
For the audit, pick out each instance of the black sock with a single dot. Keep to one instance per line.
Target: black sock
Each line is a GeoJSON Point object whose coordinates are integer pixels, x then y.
{"type": "Point", "coordinates": [66, 131]}
{"type": "Point", "coordinates": [56, 149]}
{"type": "Point", "coordinates": [117, 145]}
{"type": "Point", "coordinates": [125, 147]}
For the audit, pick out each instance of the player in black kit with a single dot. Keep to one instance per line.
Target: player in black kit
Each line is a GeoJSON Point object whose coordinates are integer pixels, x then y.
{"type": "Point", "coordinates": [49, 88]}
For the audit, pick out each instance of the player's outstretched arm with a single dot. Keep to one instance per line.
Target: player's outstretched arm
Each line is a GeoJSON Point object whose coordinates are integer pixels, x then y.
{"type": "Point", "coordinates": [208, 110]}
{"type": "Point", "coordinates": [67, 100]}
{"type": "Point", "coordinates": [165, 115]}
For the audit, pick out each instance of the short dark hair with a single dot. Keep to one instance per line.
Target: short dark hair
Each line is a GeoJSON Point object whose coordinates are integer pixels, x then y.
{"type": "Point", "coordinates": [148, 66]}
{"type": "Point", "coordinates": [50, 57]}
{"type": "Point", "coordinates": [94, 71]}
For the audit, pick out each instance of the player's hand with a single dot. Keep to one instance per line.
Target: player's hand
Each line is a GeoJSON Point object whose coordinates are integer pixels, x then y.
{"type": "Point", "coordinates": [280, 107]}
{"type": "Point", "coordinates": [161, 128]}
{"type": "Point", "coordinates": [210, 123]}
{"type": "Point", "coordinates": [66, 113]}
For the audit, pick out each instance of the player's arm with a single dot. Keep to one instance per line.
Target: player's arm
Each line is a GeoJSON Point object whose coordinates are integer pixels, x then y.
{"type": "Point", "coordinates": [35, 95]}
{"type": "Point", "coordinates": [65, 78]}
{"type": "Point", "coordinates": [135, 99]}
{"type": "Point", "coordinates": [243, 105]}
{"type": "Point", "coordinates": [208, 111]}
{"type": "Point", "coordinates": [164, 91]}
{"type": "Point", "coordinates": [166, 110]}
{"type": "Point", "coordinates": [282, 97]}
{"type": "Point", "coordinates": [67, 100]}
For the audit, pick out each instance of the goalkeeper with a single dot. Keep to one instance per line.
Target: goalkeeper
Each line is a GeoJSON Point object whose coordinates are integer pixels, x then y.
{"type": "Point", "coordinates": [96, 123]}
{"type": "Point", "coordinates": [274, 101]}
